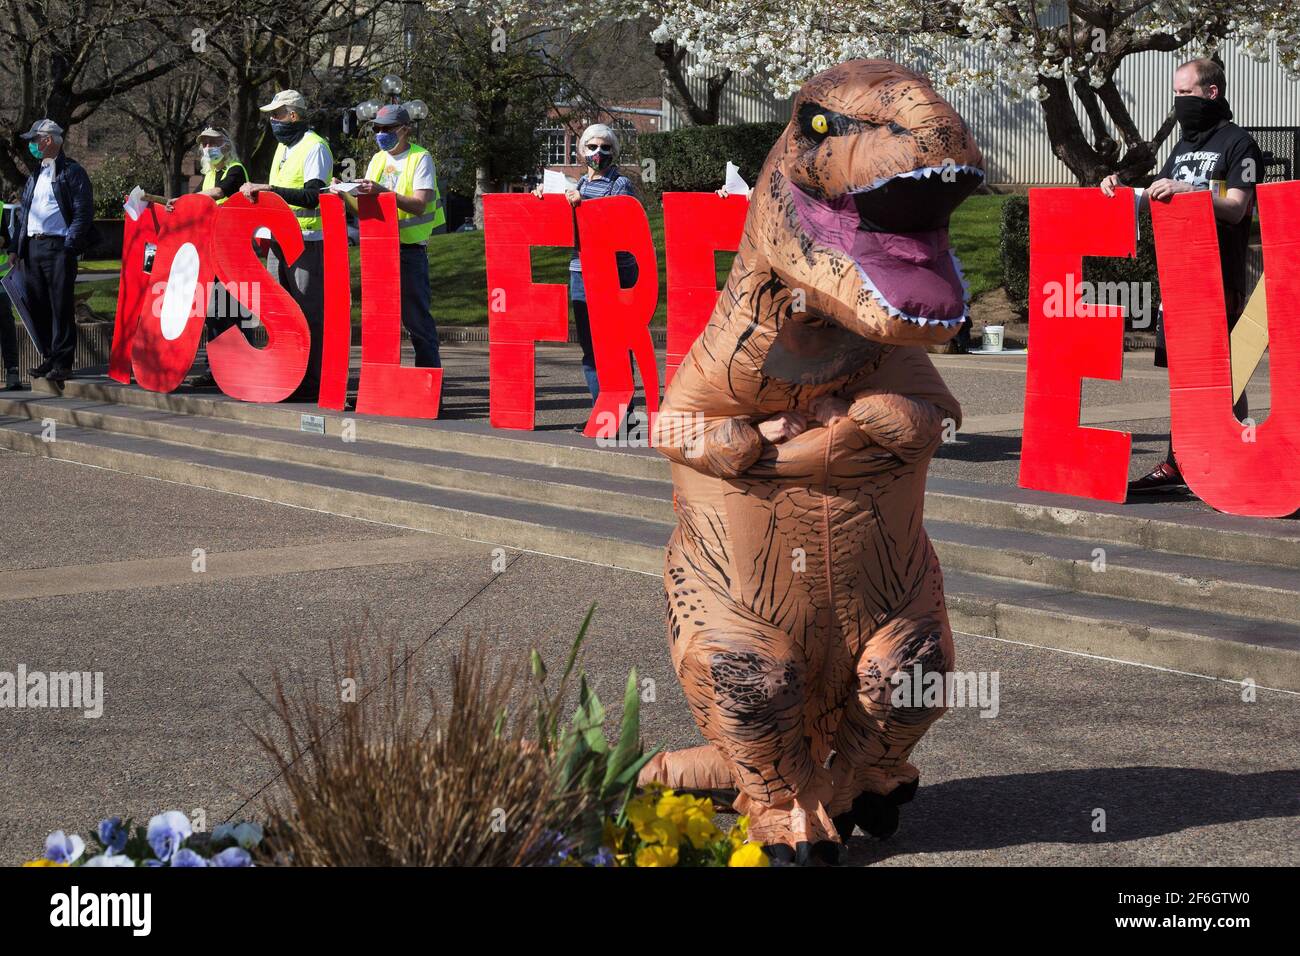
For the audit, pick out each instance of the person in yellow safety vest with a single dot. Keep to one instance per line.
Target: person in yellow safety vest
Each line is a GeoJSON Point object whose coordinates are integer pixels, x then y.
{"type": "Point", "coordinates": [300, 169]}
{"type": "Point", "coordinates": [223, 175]}
{"type": "Point", "coordinates": [404, 168]}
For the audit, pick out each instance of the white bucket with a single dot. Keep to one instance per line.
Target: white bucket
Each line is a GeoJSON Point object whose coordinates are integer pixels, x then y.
{"type": "Point", "coordinates": [992, 338]}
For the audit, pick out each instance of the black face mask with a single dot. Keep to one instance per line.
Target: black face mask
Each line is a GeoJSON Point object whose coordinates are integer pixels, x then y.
{"type": "Point", "coordinates": [288, 131]}
{"type": "Point", "coordinates": [1198, 116]}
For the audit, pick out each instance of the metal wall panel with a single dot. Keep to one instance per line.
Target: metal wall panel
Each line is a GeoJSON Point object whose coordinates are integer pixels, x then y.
{"type": "Point", "coordinates": [1010, 131]}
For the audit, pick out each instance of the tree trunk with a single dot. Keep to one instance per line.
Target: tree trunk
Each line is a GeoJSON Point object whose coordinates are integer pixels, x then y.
{"type": "Point", "coordinates": [706, 114]}
{"type": "Point", "coordinates": [482, 185]}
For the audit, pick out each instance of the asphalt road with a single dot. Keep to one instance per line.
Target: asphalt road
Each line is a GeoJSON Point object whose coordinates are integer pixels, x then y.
{"type": "Point", "coordinates": [1183, 769]}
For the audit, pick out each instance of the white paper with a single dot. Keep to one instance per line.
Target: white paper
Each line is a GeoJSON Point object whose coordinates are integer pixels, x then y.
{"type": "Point", "coordinates": [262, 232]}
{"type": "Point", "coordinates": [344, 187]}
{"type": "Point", "coordinates": [554, 181]}
{"type": "Point", "coordinates": [735, 185]}
{"type": "Point", "coordinates": [134, 204]}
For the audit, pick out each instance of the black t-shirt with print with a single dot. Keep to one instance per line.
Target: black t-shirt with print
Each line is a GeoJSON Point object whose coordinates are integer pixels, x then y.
{"type": "Point", "coordinates": [1229, 154]}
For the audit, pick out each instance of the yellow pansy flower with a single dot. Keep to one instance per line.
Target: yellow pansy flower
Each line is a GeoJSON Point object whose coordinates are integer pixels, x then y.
{"type": "Point", "coordinates": [740, 832]}
{"type": "Point", "coordinates": [612, 835]}
{"type": "Point", "coordinates": [701, 831]}
{"type": "Point", "coordinates": [43, 862]}
{"type": "Point", "coordinates": [656, 856]}
{"type": "Point", "coordinates": [749, 854]}
{"type": "Point", "coordinates": [660, 830]}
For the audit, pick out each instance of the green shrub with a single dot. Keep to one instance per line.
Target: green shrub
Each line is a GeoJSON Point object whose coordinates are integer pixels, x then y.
{"type": "Point", "coordinates": [694, 158]}
{"type": "Point", "coordinates": [1014, 247]}
{"type": "Point", "coordinates": [116, 177]}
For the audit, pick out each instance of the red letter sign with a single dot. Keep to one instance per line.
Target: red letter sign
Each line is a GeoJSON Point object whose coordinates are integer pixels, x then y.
{"type": "Point", "coordinates": [521, 312]}
{"type": "Point", "coordinates": [176, 304]}
{"type": "Point", "coordinates": [386, 387]}
{"type": "Point", "coordinates": [1072, 341]}
{"type": "Point", "coordinates": [242, 371]}
{"type": "Point", "coordinates": [132, 287]}
{"type": "Point", "coordinates": [620, 318]}
{"type": "Point", "coordinates": [1230, 467]}
{"type": "Point", "coordinates": [337, 344]}
{"type": "Point", "coordinates": [696, 225]}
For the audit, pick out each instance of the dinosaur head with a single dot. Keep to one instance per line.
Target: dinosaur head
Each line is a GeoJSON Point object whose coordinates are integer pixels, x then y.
{"type": "Point", "coordinates": [859, 189]}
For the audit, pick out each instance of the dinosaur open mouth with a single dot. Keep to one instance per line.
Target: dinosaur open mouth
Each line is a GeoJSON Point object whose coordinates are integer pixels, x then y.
{"type": "Point", "coordinates": [896, 233]}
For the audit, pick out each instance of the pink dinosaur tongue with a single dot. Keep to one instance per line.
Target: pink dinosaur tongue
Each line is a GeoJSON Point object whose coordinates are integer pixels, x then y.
{"type": "Point", "coordinates": [912, 271]}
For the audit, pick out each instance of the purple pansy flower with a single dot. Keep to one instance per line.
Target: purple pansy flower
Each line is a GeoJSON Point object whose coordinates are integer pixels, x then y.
{"type": "Point", "coordinates": [167, 831]}
{"type": "Point", "coordinates": [232, 856]}
{"type": "Point", "coordinates": [62, 848]}
{"type": "Point", "coordinates": [110, 859]}
{"type": "Point", "coordinates": [187, 858]}
{"type": "Point", "coordinates": [112, 834]}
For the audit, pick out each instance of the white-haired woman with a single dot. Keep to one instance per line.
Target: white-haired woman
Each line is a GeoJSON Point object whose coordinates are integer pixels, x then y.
{"type": "Point", "coordinates": [223, 174]}
{"type": "Point", "coordinates": [598, 150]}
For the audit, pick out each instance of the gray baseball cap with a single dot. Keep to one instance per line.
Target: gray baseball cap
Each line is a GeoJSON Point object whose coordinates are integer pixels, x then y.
{"type": "Point", "coordinates": [392, 115]}
{"type": "Point", "coordinates": [41, 127]}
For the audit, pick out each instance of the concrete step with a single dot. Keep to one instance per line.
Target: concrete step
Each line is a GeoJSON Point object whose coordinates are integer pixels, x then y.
{"type": "Point", "coordinates": [1175, 527]}
{"type": "Point", "coordinates": [1225, 645]}
{"type": "Point", "coordinates": [1059, 559]}
{"type": "Point", "coordinates": [1265, 592]}
{"type": "Point", "coordinates": [488, 474]}
{"type": "Point", "coordinates": [559, 448]}
{"type": "Point", "coordinates": [582, 534]}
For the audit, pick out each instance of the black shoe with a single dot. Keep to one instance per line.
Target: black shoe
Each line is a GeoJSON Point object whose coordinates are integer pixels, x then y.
{"type": "Point", "coordinates": [42, 370]}
{"type": "Point", "coordinates": [1164, 477]}
{"type": "Point", "coordinates": [12, 384]}
{"type": "Point", "coordinates": [204, 380]}
{"type": "Point", "coordinates": [878, 815]}
{"type": "Point", "coordinates": [59, 375]}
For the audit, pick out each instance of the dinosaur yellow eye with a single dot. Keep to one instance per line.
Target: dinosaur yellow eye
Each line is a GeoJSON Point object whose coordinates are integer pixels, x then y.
{"type": "Point", "coordinates": [819, 123]}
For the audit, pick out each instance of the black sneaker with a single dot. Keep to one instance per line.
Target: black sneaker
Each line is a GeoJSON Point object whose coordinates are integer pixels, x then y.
{"type": "Point", "coordinates": [1164, 477]}
{"type": "Point", "coordinates": [12, 383]}
{"type": "Point", "coordinates": [42, 370]}
{"type": "Point", "coordinates": [59, 375]}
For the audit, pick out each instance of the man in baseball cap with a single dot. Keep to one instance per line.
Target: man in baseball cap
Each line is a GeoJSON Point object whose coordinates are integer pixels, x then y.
{"type": "Point", "coordinates": [300, 169]}
{"type": "Point", "coordinates": [407, 169]}
{"type": "Point", "coordinates": [53, 225]}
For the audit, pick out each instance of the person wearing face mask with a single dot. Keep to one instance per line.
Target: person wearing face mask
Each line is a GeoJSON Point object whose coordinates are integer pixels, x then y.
{"type": "Point", "coordinates": [223, 175]}
{"type": "Point", "coordinates": [1216, 154]}
{"type": "Point", "coordinates": [53, 225]}
{"type": "Point", "coordinates": [300, 169]}
{"type": "Point", "coordinates": [407, 169]}
{"type": "Point", "coordinates": [598, 148]}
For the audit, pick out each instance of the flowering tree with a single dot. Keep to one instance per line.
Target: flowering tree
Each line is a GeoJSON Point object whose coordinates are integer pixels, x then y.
{"type": "Point", "coordinates": [1060, 52]}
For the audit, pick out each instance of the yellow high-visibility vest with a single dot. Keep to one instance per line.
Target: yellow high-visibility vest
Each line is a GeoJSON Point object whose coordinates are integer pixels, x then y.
{"type": "Point", "coordinates": [210, 178]}
{"type": "Point", "coordinates": [411, 227]}
{"type": "Point", "coordinates": [287, 170]}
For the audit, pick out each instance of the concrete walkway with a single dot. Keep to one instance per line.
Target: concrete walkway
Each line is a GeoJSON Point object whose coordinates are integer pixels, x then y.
{"type": "Point", "coordinates": [1184, 770]}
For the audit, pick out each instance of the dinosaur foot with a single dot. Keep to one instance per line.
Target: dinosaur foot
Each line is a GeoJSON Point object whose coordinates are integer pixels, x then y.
{"type": "Point", "coordinates": [820, 853]}
{"type": "Point", "coordinates": [874, 813]}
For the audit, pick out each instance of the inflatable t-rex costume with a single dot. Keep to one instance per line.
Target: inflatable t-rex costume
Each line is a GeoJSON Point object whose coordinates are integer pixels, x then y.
{"type": "Point", "coordinates": [799, 577]}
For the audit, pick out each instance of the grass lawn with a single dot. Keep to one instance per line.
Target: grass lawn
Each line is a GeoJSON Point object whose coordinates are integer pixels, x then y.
{"type": "Point", "coordinates": [459, 275]}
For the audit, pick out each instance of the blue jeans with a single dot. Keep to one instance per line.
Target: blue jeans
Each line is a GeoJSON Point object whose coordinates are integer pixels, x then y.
{"type": "Point", "coordinates": [416, 316]}
{"type": "Point", "coordinates": [627, 276]}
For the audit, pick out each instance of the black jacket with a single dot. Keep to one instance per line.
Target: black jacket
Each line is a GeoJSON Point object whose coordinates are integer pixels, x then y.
{"type": "Point", "coordinates": [76, 199]}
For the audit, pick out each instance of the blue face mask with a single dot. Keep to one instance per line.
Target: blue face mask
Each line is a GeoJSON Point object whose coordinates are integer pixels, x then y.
{"type": "Point", "coordinates": [35, 150]}
{"type": "Point", "coordinates": [386, 140]}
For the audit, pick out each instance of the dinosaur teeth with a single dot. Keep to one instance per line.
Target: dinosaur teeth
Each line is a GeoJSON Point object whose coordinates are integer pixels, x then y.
{"type": "Point", "coordinates": [926, 172]}
{"type": "Point", "coordinates": [917, 320]}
